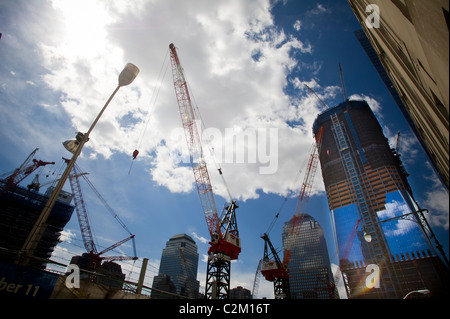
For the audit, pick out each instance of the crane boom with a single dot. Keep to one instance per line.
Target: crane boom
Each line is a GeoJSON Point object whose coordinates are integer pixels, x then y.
{"type": "Point", "coordinates": [28, 166]}
{"type": "Point", "coordinates": [307, 184]}
{"type": "Point", "coordinates": [198, 162]}
{"type": "Point", "coordinates": [225, 243]}
{"type": "Point", "coordinates": [344, 91]}
{"type": "Point", "coordinates": [83, 220]}
{"type": "Point", "coordinates": [95, 258]}
{"type": "Point", "coordinates": [325, 107]}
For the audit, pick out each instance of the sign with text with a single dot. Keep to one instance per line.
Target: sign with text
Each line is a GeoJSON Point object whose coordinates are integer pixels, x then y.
{"type": "Point", "coordinates": [24, 282]}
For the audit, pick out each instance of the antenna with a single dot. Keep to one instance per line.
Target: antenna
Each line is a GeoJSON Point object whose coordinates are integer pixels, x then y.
{"type": "Point", "coordinates": [343, 83]}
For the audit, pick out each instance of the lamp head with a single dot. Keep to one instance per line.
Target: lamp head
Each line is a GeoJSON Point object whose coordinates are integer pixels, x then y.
{"type": "Point", "coordinates": [367, 236]}
{"type": "Point", "coordinates": [71, 145]}
{"type": "Point", "coordinates": [128, 74]}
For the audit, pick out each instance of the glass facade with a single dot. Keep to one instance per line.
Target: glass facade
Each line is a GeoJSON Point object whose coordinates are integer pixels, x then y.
{"type": "Point", "coordinates": [402, 234]}
{"type": "Point", "coordinates": [310, 275]}
{"type": "Point", "coordinates": [379, 231]}
{"type": "Point", "coordinates": [178, 268]}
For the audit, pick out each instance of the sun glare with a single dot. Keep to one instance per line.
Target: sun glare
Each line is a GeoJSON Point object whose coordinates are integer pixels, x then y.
{"type": "Point", "coordinates": [84, 27]}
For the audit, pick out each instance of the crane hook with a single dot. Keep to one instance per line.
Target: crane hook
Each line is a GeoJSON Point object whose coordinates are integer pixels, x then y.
{"type": "Point", "coordinates": [135, 154]}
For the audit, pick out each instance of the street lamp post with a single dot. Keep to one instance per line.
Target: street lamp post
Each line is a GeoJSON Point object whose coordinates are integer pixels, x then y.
{"type": "Point", "coordinates": [127, 76]}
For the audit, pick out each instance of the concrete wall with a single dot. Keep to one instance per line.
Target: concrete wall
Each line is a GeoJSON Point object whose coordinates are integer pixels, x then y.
{"type": "Point", "coordinates": [89, 290]}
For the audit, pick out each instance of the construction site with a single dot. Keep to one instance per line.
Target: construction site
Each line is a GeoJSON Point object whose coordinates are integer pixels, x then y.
{"type": "Point", "coordinates": [384, 244]}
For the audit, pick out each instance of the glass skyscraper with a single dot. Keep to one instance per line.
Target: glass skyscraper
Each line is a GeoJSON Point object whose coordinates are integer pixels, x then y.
{"type": "Point", "coordinates": [178, 268]}
{"type": "Point", "coordinates": [380, 232]}
{"type": "Point", "coordinates": [309, 268]}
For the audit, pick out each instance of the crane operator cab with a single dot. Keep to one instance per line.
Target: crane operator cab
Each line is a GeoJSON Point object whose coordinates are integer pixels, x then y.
{"type": "Point", "coordinates": [227, 240]}
{"type": "Point", "coordinates": [230, 245]}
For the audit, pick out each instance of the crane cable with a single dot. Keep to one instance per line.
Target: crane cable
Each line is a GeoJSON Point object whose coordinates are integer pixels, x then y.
{"type": "Point", "coordinates": [153, 99]}
{"type": "Point", "coordinates": [211, 149]}
{"type": "Point", "coordinates": [297, 177]}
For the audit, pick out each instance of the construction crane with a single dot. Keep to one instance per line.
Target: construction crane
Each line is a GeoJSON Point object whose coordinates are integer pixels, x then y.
{"type": "Point", "coordinates": [310, 173]}
{"type": "Point", "coordinates": [256, 280]}
{"type": "Point", "coordinates": [36, 185]}
{"type": "Point", "coordinates": [19, 174]}
{"type": "Point", "coordinates": [324, 106]}
{"type": "Point", "coordinates": [225, 243]}
{"type": "Point", "coordinates": [275, 270]}
{"type": "Point", "coordinates": [308, 179]}
{"type": "Point", "coordinates": [95, 257]}
{"type": "Point", "coordinates": [344, 91]}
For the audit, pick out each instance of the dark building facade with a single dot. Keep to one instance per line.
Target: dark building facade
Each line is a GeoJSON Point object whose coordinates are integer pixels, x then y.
{"type": "Point", "coordinates": [178, 268]}
{"type": "Point", "coordinates": [19, 210]}
{"type": "Point", "coordinates": [110, 273]}
{"type": "Point", "coordinates": [410, 40]}
{"type": "Point", "coordinates": [240, 293]}
{"type": "Point", "coordinates": [309, 268]}
{"type": "Point", "coordinates": [374, 217]}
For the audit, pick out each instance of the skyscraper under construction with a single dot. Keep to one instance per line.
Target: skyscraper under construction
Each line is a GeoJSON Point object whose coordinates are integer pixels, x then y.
{"type": "Point", "coordinates": [381, 234]}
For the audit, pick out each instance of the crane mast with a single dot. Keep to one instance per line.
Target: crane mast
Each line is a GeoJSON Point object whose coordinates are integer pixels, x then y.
{"type": "Point", "coordinates": [198, 163]}
{"type": "Point", "coordinates": [307, 184]}
{"type": "Point", "coordinates": [95, 257]}
{"type": "Point", "coordinates": [225, 243]}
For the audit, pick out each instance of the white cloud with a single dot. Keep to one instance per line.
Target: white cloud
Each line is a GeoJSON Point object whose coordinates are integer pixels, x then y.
{"type": "Point", "coordinates": [319, 9]}
{"type": "Point", "coordinates": [67, 236]}
{"type": "Point", "coordinates": [407, 145]}
{"type": "Point", "coordinates": [374, 104]}
{"type": "Point", "coordinates": [297, 25]}
{"type": "Point", "coordinates": [396, 227]}
{"type": "Point", "coordinates": [166, 173]}
{"type": "Point", "coordinates": [216, 48]}
{"type": "Point", "coordinates": [200, 238]}
{"type": "Point", "coordinates": [436, 201]}
{"type": "Point", "coordinates": [231, 88]}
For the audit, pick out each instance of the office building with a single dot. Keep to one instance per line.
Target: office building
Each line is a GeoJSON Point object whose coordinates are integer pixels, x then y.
{"type": "Point", "coordinates": [411, 42]}
{"type": "Point", "coordinates": [309, 268]}
{"type": "Point", "coordinates": [240, 293]}
{"type": "Point", "coordinates": [178, 268]}
{"type": "Point", "coordinates": [19, 210]}
{"type": "Point", "coordinates": [378, 227]}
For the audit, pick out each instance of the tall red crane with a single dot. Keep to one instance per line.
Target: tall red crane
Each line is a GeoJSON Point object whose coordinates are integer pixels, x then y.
{"type": "Point", "coordinates": [311, 169]}
{"type": "Point", "coordinates": [307, 184]}
{"type": "Point", "coordinates": [19, 174]}
{"type": "Point", "coordinates": [95, 257]}
{"type": "Point", "coordinates": [225, 243]}
{"type": "Point", "coordinates": [275, 270]}
{"type": "Point", "coordinates": [308, 180]}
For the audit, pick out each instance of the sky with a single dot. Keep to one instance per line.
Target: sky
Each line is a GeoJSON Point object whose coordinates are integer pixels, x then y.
{"type": "Point", "coordinates": [246, 63]}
